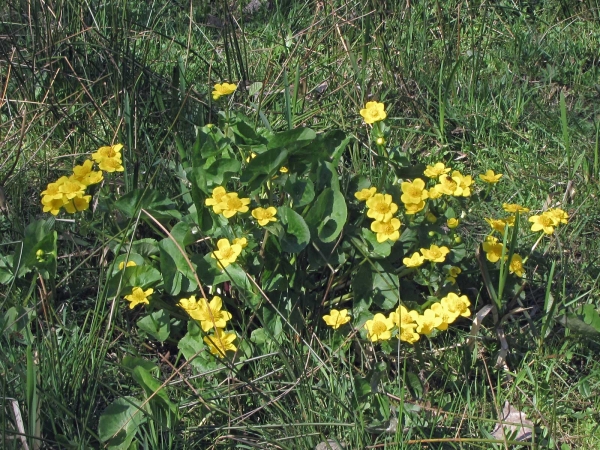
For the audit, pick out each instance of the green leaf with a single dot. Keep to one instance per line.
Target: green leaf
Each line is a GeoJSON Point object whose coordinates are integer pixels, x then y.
{"type": "Point", "coordinates": [192, 346]}
{"type": "Point", "coordinates": [327, 216]}
{"type": "Point", "coordinates": [263, 167]}
{"type": "Point", "coordinates": [137, 259]}
{"type": "Point", "coordinates": [291, 140]}
{"type": "Point", "coordinates": [16, 324]}
{"type": "Point", "coordinates": [131, 362]}
{"type": "Point", "coordinates": [119, 422]}
{"type": "Point", "coordinates": [215, 174]}
{"type": "Point", "coordinates": [590, 316]}
{"type": "Point", "coordinates": [141, 276]}
{"type": "Point", "coordinates": [38, 236]}
{"type": "Point", "coordinates": [177, 274]}
{"type": "Point", "coordinates": [245, 130]}
{"type": "Point", "coordinates": [301, 191]}
{"type": "Point", "coordinates": [576, 324]}
{"type": "Point", "coordinates": [376, 249]}
{"type": "Point", "coordinates": [372, 284]}
{"type": "Point", "coordinates": [156, 203]}
{"type": "Point", "coordinates": [296, 235]}
{"type": "Point", "coordinates": [152, 388]}
{"type": "Point", "coordinates": [145, 247]}
{"type": "Point", "coordinates": [182, 233]}
{"type": "Point", "coordinates": [157, 325]}
{"type": "Point", "coordinates": [327, 177]}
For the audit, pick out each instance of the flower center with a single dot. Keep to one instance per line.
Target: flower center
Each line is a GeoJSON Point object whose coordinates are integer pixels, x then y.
{"type": "Point", "coordinates": [234, 203]}
{"type": "Point", "coordinates": [382, 207]}
{"type": "Point", "coordinates": [379, 327]}
{"type": "Point", "coordinates": [227, 253]}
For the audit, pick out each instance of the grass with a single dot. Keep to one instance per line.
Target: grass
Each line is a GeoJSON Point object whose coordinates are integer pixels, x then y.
{"type": "Point", "coordinates": [503, 86]}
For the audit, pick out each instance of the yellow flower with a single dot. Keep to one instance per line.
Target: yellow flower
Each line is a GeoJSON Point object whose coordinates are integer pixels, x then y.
{"type": "Point", "coordinates": [336, 319]}
{"type": "Point", "coordinates": [242, 242]}
{"type": "Point", "coordinates": [516, 265]}
{"type": "Point", "coordinates": [452, 222]}
{"type": "Point", "coordinates": [80, 172]}
{"type": "Point", "coordinates": [413, 208]}
{"type": "Point", "coordinates": [220, 342]}
{"type": "Point", "coordinates": [231, 204]}
{"type": "Point", "coordinates": [386, 230]}
{"type": "Point", "coordinates": [456, 305]}
{"type": "Point", "coordinates": [490, 177]}
{"type": "Point", "coordinates": [227, 253]}
{"type": "Point", "coordinates": [130, 263]}
{"type": "Point", "coordinates": [463, 184]}
{"type": "Point", "coordinates": [436, 192]}
{"type": "Point", "coordinates": [514, 208]}
{"type": "Point", "coordinates": [544, 222]}
{"type": "Point", "coordinates": [284, 169]}
{"type": "Point", "coordinates": [208, 314]}
{"type": "Point", "coordinates": [401, 317]}
{"type": "Point", "coordinates": [558, 215]}
{"type": "Point", "coordinates": [217, 197]}
{"type": "Point", "coordinates": [447, 185]}
{"type": "Point", "coordinates": [264, 216]}
{"type": "Point", "coordinates": [442, 312]}
{"type": "Point", "coordinates": [381, 207]}
{"type": "Point", "coordinates": [373, 112]}
{"type": "Point", "coordinates": [436, 170]}
{"type": "Point", "coordinates": [71, 189]}
{"type": "Point", "coordinates": [380, 141]}
{"type": "Point", "coordinates": [408, 334]}
{"type": "Point", "coordinates": [251, 157]}
{"type": "Point", "coordinates": [427, 322]}
{"type": "Point", "coordinates": [137, 296]}
{"type": "Point", "coordinates": [53, 191]}
{"type": "Point", "coordinates": [53, 206]}
{"type": "Point", "coordinates": [435, 253]}
{"type": "Point", "coordinates": [492, 249]}
{"type": "Point", "coordinates": [94, 177]}
{"type": "Point", "coordinates": [223, 89]}
{"type": "Point", "coordinates": [107, 152]}
{"type": "Point", "coordinates": [365, 194]}
{"type": "Point", "coordinates": [379, 328]}
{"type": "Point", "coordinates": [415, 260]}
{"type": "Point", "coordinates": [413, 192]}
{"type": "Point", "coordinates": [78, 204]}
{"type": "Point", "coordinates": [111, 165]}
{"type": "Point", "coordinates": [499, 224]}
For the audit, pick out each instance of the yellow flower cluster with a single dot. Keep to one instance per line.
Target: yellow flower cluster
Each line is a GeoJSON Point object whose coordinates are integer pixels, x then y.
{"type": "Point", "coordinates": [109, 158]}
{"type": "Point", "coordinates": [493, 252]}
{"type": "Point", "coordinates": [210, 315]}
{"type": "Point", "coordinates": [411, 324]}
{"type": "Point", "coordinates": [227, 204]}
{"type": "Point", "coordinates": [549, 220]}
{"type": "Point", "coordinates": [69, 192]}
{"type": "Point", "coordinates": [545, 222]}
{"type": "Point", "coordinates": [433, 254]}
{"type": "Point", "coordinates": [227, 251]}
{"type": "Point", "coordinates": [381, 208]}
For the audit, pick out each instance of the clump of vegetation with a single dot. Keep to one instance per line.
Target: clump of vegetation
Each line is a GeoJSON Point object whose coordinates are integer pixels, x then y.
{"type": "Point", "coordinates": [372, 254]}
